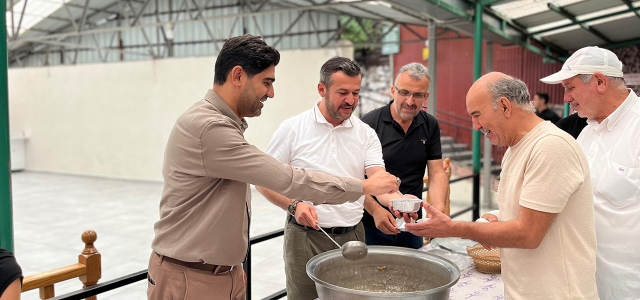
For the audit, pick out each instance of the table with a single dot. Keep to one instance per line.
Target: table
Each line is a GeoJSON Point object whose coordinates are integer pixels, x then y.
{"type": "Point", "coordinates": [472, 284]}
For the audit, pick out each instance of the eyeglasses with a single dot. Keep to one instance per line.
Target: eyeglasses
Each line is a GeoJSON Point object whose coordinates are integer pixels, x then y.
{"type": "Point", "coordinates": [407, 94]}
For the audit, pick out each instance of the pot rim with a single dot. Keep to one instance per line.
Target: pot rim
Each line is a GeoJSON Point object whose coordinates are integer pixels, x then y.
{"type": "Point", "coordinates": [453, 268]}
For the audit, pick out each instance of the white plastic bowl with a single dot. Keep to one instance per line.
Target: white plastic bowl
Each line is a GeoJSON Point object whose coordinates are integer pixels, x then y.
{"type": "Point", "coordinates": [406, 205]}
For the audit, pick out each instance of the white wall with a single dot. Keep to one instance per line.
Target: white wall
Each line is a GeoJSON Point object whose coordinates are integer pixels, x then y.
{"type": "Point", "coordinates": [113, 120]}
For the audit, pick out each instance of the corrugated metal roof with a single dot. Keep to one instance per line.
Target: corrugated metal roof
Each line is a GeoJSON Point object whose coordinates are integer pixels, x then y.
{"type": "Point", "coordinates": [551, 28]}
{"type": "Point", "coordinates": [623, 25]}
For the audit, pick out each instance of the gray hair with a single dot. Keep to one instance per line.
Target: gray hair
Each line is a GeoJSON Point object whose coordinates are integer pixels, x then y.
{"type": "Point", "coordinates": [617, 82]}
{"type": "Point", "coordinates": [416, 71]}
{"type": "Point", "coordinates": [513, 89]}
{"type": "Point", "coordinates": [585, 78]}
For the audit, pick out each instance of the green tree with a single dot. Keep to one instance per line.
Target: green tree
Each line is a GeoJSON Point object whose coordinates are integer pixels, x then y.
{"type": "Point", "coordinates": [365, 32]}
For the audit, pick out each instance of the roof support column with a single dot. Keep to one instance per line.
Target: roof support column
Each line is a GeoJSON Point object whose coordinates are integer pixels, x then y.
{"type": "Point", "coordinates": [477, 72]}
{"type": "Point", "coordinates": [486, 149]}
{"type": "Point", "coordinates": [431, 103]}
{"type": "Point", "coordinates": [6, 209]}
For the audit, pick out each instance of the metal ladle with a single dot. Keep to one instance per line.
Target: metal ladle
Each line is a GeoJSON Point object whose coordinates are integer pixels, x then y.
{"type": "Point", "coordinates": [351, 250]}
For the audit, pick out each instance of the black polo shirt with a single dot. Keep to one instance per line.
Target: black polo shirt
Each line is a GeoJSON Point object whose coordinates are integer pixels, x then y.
{"type": "Point", "coordinates": [572, 124]}
{"type": "Point", "coordinates": [9, 269]}
{"type": "Point", "coordinates": [549, 115]}
{"type": "Point", "coordinates": [405, 155]}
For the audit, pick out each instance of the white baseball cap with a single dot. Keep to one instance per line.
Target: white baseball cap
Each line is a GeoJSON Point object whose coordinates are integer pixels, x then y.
{"type": "Point", "coordinates": [587, 60]}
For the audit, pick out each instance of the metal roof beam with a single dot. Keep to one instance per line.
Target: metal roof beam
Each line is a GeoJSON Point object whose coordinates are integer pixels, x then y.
{"type": "Point", "coordinates": [135, 20]}
{"type": "Point", "coordinates": [504, 22]}
{"type": "Point", "coordinates": [413, 31]}
{"type": "Point", "coordinates": [17, 32]}
{"type": "Point", "coordinates": [565, 13]}
{"type": "Point", "coordinates": [95, 10]}
{"type": "Point", "coordinates": [628, 3]}
{"type": "Point", "coordinates": [212, 18]}
{"type": "Point", "coordinates": [579, 22]}
{"type": "Point", "coordinates": [452, 8]}
{"type": "Point", "coordinates": [83, 20]}
{"type": "Point", "coordinates": [286, 31]}
{"type": "Point", "coordinates": [71, 19]}
{"type": "Point", "coordinates": [206, 26]}
{"type": "Point", "coordinates": [523, 44]}
{"type": "Point", "coordinates": [336, 33]}
{"type": "Point", "coordinates": [255, 20]}
{"type": "Point", "coordinates": [73, 46]}
{"type": "Point", "coordinates": [461, 12]}
{"type": "Point", "coordinates": [623, 44]}
{"type": "Point", "coordinates": [488, 2]}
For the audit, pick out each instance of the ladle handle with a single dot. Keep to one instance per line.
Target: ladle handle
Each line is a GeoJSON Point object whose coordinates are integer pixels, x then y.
{"type": "Point", "coordinates": [323, 232]}
{"type": "Point", "coordinates": [329, 237]}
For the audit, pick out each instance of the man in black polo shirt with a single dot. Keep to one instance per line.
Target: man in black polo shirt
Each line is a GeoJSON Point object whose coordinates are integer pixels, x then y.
{"type": "Point", "coordinates": [410, 141]}
{"type": "Point", "coordinates": [540, 103]}
{"type": "Point", "coordinates": [573, 124]}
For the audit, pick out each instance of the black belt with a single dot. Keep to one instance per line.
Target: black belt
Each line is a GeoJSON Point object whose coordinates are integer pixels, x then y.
{"type": "Point", "coordinates": [330, 230]}
{"type": "Point", "coordinates": [215, 269]}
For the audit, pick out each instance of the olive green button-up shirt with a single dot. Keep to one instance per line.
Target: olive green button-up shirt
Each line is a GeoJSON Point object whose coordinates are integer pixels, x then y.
{"type": "Point", "coordinates": [206, 201]}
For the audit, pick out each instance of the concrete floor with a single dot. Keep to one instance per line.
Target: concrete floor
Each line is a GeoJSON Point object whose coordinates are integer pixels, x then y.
{"type": "Point", "coordinates": [50, 212]}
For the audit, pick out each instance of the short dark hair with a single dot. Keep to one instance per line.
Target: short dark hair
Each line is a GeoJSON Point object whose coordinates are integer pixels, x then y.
{"type": "Point", "coordinates": [336, 64]}
{"type": "Point", "coordinates": [248, 51]}
{"type": "Point", "coordinates": [543, 96]}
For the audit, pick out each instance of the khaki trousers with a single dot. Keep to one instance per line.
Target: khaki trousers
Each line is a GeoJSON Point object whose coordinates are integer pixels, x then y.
{"type": "Point", "coordinates": [300, 245]}
{"type": "Point", "coordinates": [167, 281]}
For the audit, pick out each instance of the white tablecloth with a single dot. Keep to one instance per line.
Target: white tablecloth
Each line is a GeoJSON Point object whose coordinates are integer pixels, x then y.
{"type": "Point", "coordinates": [472, 284]}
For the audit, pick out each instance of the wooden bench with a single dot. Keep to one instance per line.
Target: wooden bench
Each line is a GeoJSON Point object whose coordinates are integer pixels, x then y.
{"type": "Point", "coordinates": [88, 270]}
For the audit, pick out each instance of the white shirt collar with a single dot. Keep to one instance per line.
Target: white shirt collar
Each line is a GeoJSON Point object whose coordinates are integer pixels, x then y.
{"type": "Point", "coordinates": [321, 119]}
{"type": "Point", "coordinates": [613, 119]}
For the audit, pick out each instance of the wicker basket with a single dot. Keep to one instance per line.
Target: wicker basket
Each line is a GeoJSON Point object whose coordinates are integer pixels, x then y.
{"type": "Point", "coordinates": [486, 261]}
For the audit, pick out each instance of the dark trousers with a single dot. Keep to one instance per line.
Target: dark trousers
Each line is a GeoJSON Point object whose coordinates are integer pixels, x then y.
{"type": "Point", "coordinates": [375, 237]}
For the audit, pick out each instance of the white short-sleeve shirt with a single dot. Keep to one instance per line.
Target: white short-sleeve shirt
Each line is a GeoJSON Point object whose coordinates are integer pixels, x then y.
{"type": "Point", "coordinates": [308, 141]}
{"type": "Point", "coordinates": [612, 148]}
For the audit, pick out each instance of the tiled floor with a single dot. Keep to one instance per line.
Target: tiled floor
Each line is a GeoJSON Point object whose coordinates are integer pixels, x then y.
{"type": "Point", "coordinates": [51, 211]}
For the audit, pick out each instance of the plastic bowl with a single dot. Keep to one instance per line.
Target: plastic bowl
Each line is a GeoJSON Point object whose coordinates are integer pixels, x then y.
{"type": "Point", "coordinates": [406, 205]}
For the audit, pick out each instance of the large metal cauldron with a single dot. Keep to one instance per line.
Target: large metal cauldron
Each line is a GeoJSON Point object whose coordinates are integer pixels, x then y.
{"type": "Point", "coordinates": [386, 273]}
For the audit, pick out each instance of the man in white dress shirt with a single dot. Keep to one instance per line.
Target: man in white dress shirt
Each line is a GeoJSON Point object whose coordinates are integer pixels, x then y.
{"type": "Point", "coordinates": [595, 88]}
{"type": "Point", "coordinates": [329, 139]}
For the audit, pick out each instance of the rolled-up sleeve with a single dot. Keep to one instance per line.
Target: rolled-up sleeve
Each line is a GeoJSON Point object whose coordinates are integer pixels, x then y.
{"type": "Point", "coordinates": [226, 154]}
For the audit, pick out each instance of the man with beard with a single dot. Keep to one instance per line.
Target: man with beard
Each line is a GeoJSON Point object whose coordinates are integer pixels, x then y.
{"type": "Point", "coordinates": [202, 236]}
{"type": "Point", "coordinates": [410, 141]}
{"type": "Point", "coordinates": [329, 139]}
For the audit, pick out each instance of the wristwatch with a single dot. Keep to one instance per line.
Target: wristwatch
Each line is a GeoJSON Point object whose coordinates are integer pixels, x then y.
{"type": "Point", "coordinates": [292, 207]}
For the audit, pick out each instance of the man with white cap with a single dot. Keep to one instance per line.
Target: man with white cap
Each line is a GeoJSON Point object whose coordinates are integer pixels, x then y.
{"type": "Point", "coordinates": [595, 88]}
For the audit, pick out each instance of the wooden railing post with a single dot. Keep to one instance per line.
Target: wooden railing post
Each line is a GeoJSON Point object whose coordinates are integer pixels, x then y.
{"type": "Point", "coordinates": [47, 292]}
{"type": "Point", "coordinates": [447, 170]}
{"type": "Point", "coordinates": [90, 257]}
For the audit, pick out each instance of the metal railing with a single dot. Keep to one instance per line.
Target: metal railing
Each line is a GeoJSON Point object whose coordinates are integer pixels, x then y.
{"type": "Point", "coordinates": [247, 265]}
{"type": "Point", "coordinates": [142, 275]}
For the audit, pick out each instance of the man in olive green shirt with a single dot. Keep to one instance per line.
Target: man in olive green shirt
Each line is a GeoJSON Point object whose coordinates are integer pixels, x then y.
{"type": "Point", "coordinates": [202, 237]}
